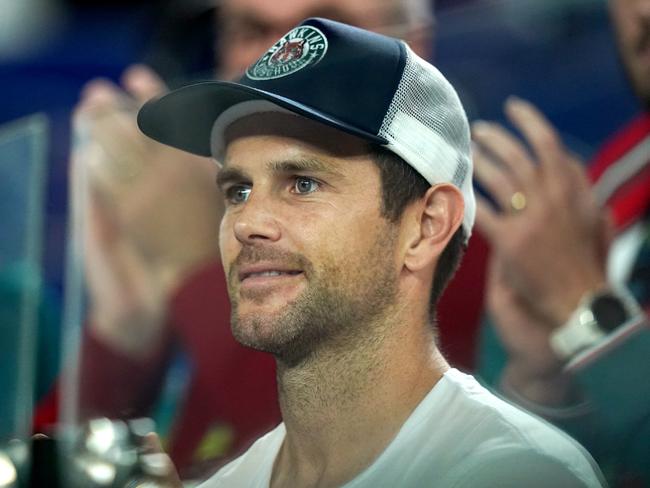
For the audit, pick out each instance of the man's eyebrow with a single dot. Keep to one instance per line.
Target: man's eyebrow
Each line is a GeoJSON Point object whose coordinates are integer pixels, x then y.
{"type": "Point", "coordinates": [230, 175]}
{"type": "Point", "coordinates": [298, 165]}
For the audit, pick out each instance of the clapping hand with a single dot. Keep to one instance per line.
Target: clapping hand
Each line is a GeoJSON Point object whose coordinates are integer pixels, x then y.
{"type": "Point", "coordinates": [153, 211]}
{"type": "Point", "coordinates": [548, 235]}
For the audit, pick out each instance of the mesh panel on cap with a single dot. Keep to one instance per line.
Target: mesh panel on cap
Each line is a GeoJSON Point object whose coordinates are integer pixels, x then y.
{"type": "Point", "coordinates": [427, 126]}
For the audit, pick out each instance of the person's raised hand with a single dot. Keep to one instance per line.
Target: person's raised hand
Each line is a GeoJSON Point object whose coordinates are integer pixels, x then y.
{"type": "Point", "coordinates": [155, 211]}
{"type": "Point", "coordinates": [549, 233]}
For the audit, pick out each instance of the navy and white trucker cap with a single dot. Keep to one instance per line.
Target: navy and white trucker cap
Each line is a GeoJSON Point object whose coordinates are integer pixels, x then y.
{"type": "Point", "coordinates": [359, 82]}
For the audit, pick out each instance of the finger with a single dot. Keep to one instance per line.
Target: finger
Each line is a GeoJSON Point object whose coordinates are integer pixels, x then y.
{"type": "Point", "coordinates": [100, 93]}
{"type": "Point", "coordinates": [94, 95]}
{"type": "Point", "coordinates": [143, 83]}
{"type": "Point", "coordinates": [152, 444]}
{"type": "Point", "coordinates": [156, 463]}
{"type": "Point", "coordinates": [493, 178]}
{"type": "Point", "coordinates": [106, 117]}
{"type": "Point", "coordinates": [540, 134]}
{"type": "Point", "coordinates": [99, 89]}
{"type": "Point", "coordinates": [487, 220]}
{"type": "Point", "coordinates": [508, 150]}
{"type": "Point", "coordinates": [580, 181]}
{"type": "Point", "coordinates": [100, 99]}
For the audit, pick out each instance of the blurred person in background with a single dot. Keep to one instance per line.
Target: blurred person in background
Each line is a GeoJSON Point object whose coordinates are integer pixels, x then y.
{"type": "Point", "coordinates": [155, 283]}
{"type": "Point", "coordinates": [569, 280]}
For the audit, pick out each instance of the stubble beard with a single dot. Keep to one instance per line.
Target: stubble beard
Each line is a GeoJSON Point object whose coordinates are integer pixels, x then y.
{"type": "Point", "coordinates": [341, 300]}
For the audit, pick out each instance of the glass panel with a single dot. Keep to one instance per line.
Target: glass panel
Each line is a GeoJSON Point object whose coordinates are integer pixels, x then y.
{"type": "Point", "coordinates": [22, 177]}
{"type": "Point", "coordinates": [99, 447]}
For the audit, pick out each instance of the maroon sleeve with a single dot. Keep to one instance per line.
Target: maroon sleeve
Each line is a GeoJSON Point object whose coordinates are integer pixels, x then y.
{"type": "Point", "coordinates": [232, 386]}
{"type": "Point", "coordinates": [115, 385]}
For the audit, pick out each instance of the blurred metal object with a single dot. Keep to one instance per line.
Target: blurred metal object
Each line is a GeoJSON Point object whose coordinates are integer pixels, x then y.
{"type": "Point", "coordinates": [103, 454]}
{"type": "Point", "coordinates": [14, 464]}
{"type": "Point", "coordinates": [8, 474]}
{"type": "Point", "coordinates": [112, 454]}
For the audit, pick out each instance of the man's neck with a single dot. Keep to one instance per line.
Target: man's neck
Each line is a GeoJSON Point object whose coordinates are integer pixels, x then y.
{"type": "Point", "coordinates": [342, 408]}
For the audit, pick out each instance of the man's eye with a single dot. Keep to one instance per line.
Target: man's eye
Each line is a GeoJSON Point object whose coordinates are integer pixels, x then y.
{"type": "Point", "coordinates": [303, 185]}
{"type": "Point", "coordinates": [238, 193]}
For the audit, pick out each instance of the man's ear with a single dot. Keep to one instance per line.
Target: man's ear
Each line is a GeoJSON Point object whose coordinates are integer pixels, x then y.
{"type": "Point", "coordinates": [433, 222]}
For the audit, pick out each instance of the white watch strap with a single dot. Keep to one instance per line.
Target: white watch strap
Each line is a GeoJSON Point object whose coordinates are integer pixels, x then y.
{"type": "Point", "coordinates": [580, 332]}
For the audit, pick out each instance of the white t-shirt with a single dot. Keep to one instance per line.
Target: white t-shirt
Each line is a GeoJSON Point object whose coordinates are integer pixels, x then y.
{"type": "Point", "coordinates": [459, 436]}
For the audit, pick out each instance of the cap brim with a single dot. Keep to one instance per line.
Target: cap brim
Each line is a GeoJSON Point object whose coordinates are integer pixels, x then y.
{"type": "Point", "coordinates": [184, 118]}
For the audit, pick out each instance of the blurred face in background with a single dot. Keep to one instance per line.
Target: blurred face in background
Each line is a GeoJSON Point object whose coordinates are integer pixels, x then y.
{"type": "Point", "coordinates": [631, 19]}
{"type": "Point", "coordinates": [247, 28]}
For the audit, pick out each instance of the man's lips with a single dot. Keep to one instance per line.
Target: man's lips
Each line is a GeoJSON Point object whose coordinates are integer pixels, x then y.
{"type": "Point", "coordinates": [261, 271]}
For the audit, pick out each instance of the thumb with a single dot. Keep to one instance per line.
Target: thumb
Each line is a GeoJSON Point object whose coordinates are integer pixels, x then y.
{"type": "Point", "coordinates": [143, 83]}
{"type": "Point", "coordinates": [158, 465]}
{"type": "Point", "coordinates": [607, 233]}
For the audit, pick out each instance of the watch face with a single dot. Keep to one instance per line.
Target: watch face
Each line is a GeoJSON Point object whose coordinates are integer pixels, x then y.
{"type": "Point", "coordinates": [609, 312]}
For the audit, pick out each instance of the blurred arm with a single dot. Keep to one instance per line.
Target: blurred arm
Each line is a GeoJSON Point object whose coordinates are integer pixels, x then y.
{"type": "Point", "coordinates": [545, 258]}
{"type": "Point", "coordinates": [152, 221]}
{"type": "Point", "coordinates": [153, 214]}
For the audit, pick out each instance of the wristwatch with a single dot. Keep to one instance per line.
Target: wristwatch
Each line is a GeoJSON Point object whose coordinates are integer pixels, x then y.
{"type": "Point", "coordinates": [598, 314]}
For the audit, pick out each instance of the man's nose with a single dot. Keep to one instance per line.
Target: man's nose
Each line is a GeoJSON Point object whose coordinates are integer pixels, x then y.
{"type": "Point", "coordinates": [256, 221]}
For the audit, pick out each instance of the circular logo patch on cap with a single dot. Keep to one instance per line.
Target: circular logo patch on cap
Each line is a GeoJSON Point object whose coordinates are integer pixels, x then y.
{"type": "Point", "coordinates": [303, 46]}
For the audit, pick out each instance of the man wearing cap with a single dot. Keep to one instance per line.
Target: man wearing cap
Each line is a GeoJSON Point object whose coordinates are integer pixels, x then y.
{"type": "Point", "coordinates": [158, 307]}
{"type": "Point", "coordinates": [345, 165]}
